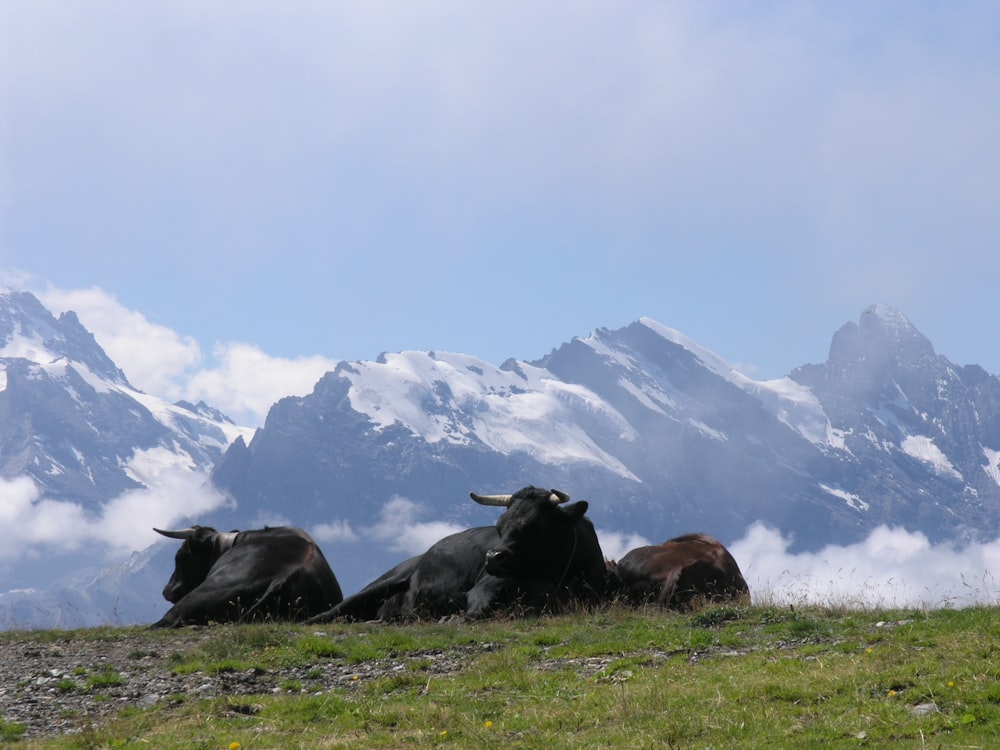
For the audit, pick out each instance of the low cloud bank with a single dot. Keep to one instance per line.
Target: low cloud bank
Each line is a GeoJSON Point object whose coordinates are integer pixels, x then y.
{"type": "Point", "coordinates": [399, 528]}
{"type": "Point", "coordinates": [30, 524]}
{"type": "Point", "coordinates": [892, 567]}
{"type": "Point", "coordinates": [614, 544]}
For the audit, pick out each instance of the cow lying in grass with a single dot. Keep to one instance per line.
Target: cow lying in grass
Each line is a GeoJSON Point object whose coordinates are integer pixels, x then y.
{"type": "Point", "coordinates": [540, 555]}
{"type": "Point", "coordinates": [237, 576]}
{"type": "Point", "coordinates": [681, 573]}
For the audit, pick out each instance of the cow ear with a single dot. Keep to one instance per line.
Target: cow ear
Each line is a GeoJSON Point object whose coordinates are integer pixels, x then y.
{"type": "Point", "coordinates": [576, 510]}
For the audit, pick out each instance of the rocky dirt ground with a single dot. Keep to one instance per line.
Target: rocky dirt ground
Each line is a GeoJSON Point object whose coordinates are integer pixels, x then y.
{"type": "Point", "coordinates": [54, 684]}
{"type": "Point", "coordinates": [65, 684]}
{"type": "Point", "coordinates": [60, 685]}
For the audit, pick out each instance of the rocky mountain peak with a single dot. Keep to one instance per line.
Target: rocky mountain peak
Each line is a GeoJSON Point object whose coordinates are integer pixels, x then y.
{"type": "Point", "coordinates": [23, 322]}
{"type": "Point", "coordinates": [29, 331]}
{"type": "Point", "coordinates": [71, 423]}
{"type": "Point", "coordinates": [882, 335]}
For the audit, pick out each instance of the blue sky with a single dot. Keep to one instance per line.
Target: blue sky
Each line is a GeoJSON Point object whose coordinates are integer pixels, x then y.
{"type": "Point", "coordinates": [234, 195]}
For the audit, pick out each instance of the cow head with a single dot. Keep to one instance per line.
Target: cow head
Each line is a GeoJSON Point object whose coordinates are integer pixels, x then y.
{"type": "Point", "coordinates": [201, 548]}
{"type": "Point", "coordinates": [539, 536]}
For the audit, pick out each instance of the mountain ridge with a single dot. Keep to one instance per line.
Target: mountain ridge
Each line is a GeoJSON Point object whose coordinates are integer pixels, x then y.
{"type": "Point", "coordinates": [662, 432]}
{"type": "Point", "coordinates": [662, 435]}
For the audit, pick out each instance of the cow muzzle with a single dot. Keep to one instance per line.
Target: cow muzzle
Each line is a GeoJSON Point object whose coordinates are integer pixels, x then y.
{"type": "Point", "coordinates": [172, 592]}
{"type": "Point", "coordinates": [498, 562]}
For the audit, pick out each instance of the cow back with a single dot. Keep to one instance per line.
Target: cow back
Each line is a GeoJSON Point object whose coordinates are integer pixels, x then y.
{"type": "Point", "coordinates": [449, 571]}
{"type": "Point", "coordinates": [679, 573]}
{"type": "Point", "coordinates": [275, 573]}
{"type": "Point", "coordinates": [430, 585]}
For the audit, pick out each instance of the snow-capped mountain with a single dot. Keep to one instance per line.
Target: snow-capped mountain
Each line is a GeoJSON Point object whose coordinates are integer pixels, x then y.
{"type": "Point", "coordinates": [661, 435]}
{"type": "Point", "coordinates": [920, 435]}
{"type": "Point", "coordinates": [657, 432]}
{"type": "Point", "coordinates": [76, 442]}
{"type": "Point", "coordinates": [70, 420]}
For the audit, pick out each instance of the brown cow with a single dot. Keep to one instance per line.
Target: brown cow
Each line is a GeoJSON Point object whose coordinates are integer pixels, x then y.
{"type": "Point", "coordinates": [679, 574]}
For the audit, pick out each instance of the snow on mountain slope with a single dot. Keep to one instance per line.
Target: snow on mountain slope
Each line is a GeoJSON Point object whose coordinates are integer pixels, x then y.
{"type": "Point", "coordinates": [992, 465]}
{"type": "Point", "coordinates": [923, 449]}
{"type": "Point", "coordinates": [460, 400]}
{"type": "Point", "coordinates": [575, 415]}
{"type": "Point", "coordinates": [211, 433]}
{"type": "Point", "coordinates": [797, 407]}
{"type": "Point", "coordinates": [22, 345]}
{"type": "Point", "coordinates": [75, 425]}
{"type": "Point", "coordinates": [522, 407]}
{"type": "Point", "coordinates": [792, 403]}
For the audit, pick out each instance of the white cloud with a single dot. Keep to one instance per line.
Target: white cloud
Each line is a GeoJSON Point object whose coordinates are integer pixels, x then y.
{"type": "Point", "coordinates": [890, 568]}
{"type": "Point", "coordinates": [246, 382]}
{"type": "Point", "coordinates": [334, 532]}
{"type": "Point", "coordinates": [30, 523]}
{"type": "Point", "coordinates": [154, 358]}
{"type": "Point", "coordinates": [126, 523]}
{"type": "Point", "coordinates": [399, 526]}
{"type": "Point", "coordinates": [614, 544]}
{"type": "Point", "coordinates": [242, 381]}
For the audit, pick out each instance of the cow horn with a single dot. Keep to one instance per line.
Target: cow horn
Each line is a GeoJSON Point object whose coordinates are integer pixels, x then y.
{"type": "Point", "coordinates": [178, 534]}
{"type": "Point", "coordinates": [558, 498]}
{"type": "Point", "coordinates": [499, 500]}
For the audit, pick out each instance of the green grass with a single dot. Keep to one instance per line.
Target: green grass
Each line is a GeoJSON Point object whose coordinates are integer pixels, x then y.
{"type": "Point", "coordinates": [725, 677]}
{"type": "Point", "coordinates": [104, 678]}
{"type": "Point", "coordinates": [10, 731]}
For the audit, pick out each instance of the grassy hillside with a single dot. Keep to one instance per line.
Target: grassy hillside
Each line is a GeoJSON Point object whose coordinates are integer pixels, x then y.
{"type": "Point", "coordinates": [748, 677]}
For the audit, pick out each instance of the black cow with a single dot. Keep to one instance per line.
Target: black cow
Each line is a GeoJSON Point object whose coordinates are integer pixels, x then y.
{"type": "Point", "coordinates": [274, 573]}
{"type": "Point", "coordinates": [678, 574]}
{"type": "Point", "coordinates": [537, 557]}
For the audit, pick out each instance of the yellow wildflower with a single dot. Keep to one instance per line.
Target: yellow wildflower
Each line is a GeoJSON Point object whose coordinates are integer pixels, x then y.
{"type": "Point", "coordinates": [487, 723]}
{"type": "Point", "coordinates": [234, 746]}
